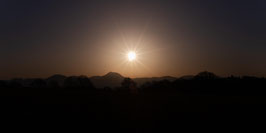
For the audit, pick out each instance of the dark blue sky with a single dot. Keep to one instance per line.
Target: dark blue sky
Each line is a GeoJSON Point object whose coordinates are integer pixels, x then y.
{"type": "Point", "coordinates": [41, 38]}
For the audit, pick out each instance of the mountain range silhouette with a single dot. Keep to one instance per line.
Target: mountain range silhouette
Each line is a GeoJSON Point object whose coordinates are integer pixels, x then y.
{"type": "Point", "coordinates": [109, 80]}
{"type": "Point", "coordinates": [113, 79]}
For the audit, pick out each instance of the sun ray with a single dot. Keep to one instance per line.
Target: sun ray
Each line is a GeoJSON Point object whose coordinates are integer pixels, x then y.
{"type": "Point", "coordinates": [142, 34]}
{"type": "Point", "coordinates": [150, 51]}
{"type": "Point", "coordinates": [140, 38]}
{"type": "Point", "coordinates": [146, 68]}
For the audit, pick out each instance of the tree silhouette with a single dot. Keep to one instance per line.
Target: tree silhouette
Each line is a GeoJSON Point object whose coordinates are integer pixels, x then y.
{"type": "Point", "coordinates": [129, 84]}
{"type": "Point", "coordinates": [38, 83]}
{"type": "Point", "coordinates": [53, 84]}
{"type": "Point", "coordinates": [85, 82]}
{"type": "Point", "coordinates": [56, 81]}
{"type": "Point", "coordinates": [15, 83]}
{"type": "Point", "coordinates": [81, 82]}
{"type": "Point", "coordinates": [71, 82]}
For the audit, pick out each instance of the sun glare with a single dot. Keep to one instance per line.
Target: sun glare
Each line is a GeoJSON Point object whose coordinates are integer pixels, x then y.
{"type": "Point", "coordinates": [131, 56]}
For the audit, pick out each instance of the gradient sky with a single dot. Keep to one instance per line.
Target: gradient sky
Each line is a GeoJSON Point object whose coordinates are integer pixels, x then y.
{"type": "Point", "coordinates": [172, 37]}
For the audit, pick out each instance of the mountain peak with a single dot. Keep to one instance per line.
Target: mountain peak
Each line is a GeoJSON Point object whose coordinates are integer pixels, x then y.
{"type": "Point", "coordinates": [113, 74]}
{"type": "Point", "coordinates": [206, 75]}
{"type": "Point", "coordinates": [111, 79]}
{"type": "Point", "coordinates": [57, 76]}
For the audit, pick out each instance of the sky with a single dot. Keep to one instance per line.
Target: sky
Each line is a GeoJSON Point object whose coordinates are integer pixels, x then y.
{"type": "Point", "coordinates": [170, 37]}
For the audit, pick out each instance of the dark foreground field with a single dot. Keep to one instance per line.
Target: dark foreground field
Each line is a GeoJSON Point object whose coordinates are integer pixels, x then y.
{"type": "Point", "coordinates": [132, 112]}
{"type": "Point", "coordinates": [220, 103]}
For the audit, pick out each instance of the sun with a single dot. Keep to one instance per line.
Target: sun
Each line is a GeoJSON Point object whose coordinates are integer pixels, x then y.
{"type": "Point", "coordinates": [131, 56]}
